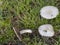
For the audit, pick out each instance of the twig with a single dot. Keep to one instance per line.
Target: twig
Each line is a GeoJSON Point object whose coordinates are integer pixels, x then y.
{"type": "Point", "coordinates": [17, 34]}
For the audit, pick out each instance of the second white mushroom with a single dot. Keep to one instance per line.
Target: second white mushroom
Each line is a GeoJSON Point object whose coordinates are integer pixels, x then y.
{"type": "Point", "coordinates": [46, 30]}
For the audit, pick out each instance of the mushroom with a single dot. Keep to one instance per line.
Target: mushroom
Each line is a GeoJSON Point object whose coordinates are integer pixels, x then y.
{"type": "Point", "coordinates": [26, 31]}
{"type": "Point", "coordinates": [49, 12]}
{"type": "Point", "coordinates": [46, 30]}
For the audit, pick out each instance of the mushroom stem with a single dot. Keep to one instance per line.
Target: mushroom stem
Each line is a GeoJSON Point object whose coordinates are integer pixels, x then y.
{"type": "Point", "coordinates": [25, 31]}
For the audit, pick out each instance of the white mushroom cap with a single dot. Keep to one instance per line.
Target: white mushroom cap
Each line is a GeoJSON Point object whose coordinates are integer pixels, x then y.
{"type": "Point", "coordinates": [46, 30]}
{"type": "Point", "coordinates": [25, 31]}
{"type": "Point", "coordinates": [49, 12]}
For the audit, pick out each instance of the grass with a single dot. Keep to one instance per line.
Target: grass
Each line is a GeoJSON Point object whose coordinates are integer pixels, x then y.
{"type": "Point", "coordinates": [28, 12]}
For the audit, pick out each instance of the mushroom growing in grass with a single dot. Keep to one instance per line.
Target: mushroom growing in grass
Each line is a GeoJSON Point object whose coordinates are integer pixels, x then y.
{"type": "Point", "coordinates": [26, 31]}
{"type": "Point", "coordinates": [46, 30]}
{"type": "Point", "coordinates": [49, 12]}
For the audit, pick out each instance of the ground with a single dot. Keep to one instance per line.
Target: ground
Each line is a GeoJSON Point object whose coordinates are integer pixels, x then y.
{"type": "Point", "coordinates": [28, 14]}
